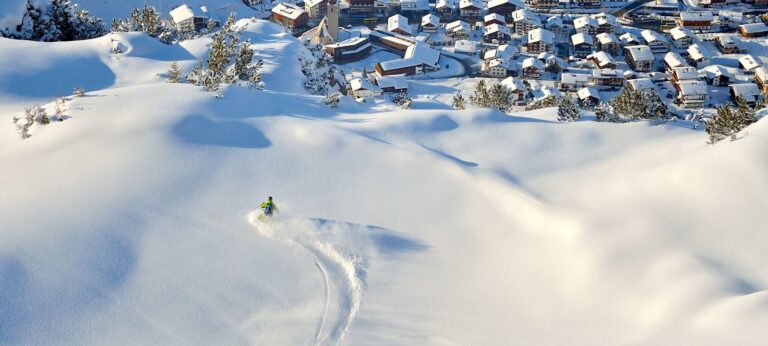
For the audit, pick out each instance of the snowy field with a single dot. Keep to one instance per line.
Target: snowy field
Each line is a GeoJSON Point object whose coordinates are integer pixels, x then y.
{"type": "Point", "coordinates": [133, 222]}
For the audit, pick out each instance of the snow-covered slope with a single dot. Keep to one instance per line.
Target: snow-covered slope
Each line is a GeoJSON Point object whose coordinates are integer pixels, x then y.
{"type": "Point", "coordinates": [132, 221]}
{"type": "Point", "coordinates": [12, 10]}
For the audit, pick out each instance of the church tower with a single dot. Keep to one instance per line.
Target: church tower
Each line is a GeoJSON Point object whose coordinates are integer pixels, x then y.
{"type": "Point", "coordinates": [333, 18]}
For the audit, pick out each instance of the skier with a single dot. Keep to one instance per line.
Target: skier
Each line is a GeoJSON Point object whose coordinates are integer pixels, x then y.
{"type": "Point", "coordinates": [268, 207]}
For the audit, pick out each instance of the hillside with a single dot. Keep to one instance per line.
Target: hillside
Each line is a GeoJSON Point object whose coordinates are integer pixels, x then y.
{"type": "Point", "coordinates": [133, 220]}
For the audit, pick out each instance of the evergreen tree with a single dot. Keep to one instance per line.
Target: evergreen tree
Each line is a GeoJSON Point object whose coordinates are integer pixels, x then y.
{"type": "Point", "coordinates": [174, 73]}
{"type": "Point", "coordinates": [458, 102]}
{"type": "Point", "coordinates": [654, 107]}
{"type": "Point", "coordinates": [745, 112]}
{"type": "Point", "coordinates": [481, 97]}
{"type": "Point", "coordinates": [318, 67]}
{"type": "Point", "coordinates": [500, 98]}
{"type": "Point", "coordinates": [568, 109]}
{"type": "Point", "coordinates": [332, 100]}
{"type": "Point", "coordinates": [725, 123]}
{"type": "Point", "coordinates": [243, 61]}
{"type": "Point", "coordinates": [146, 19]}
{"type": "Point", "coordinates": [604, 112]}
{"type": "Point", "coordinates": [255, 82]}
{"type": "Point", "coordinates": [60, 12]}
{"type": "Point", "coordinates": [547, 102]}
{"type": "Point", "coordinates": [402, 100]}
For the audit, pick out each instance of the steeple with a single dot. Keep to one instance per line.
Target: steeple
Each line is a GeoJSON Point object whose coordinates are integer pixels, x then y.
{"type": "Point", "coordinates": [332, 14]}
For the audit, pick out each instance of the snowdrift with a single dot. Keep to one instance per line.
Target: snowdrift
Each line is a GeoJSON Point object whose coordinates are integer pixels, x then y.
{"type": "Point", "coordinates": [132, 220]}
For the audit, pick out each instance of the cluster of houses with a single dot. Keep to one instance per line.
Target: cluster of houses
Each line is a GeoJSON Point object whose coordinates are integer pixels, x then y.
{"type": "Point", "coordinates": [533, 54]}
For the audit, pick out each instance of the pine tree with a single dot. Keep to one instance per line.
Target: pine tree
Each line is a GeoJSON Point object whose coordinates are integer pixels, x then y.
{"type": "Point", "coordinates": [332, 100]}
{"type": "Point", "coordinates": [568, 109]}
{"type": "Point", "coordinates": [174, 73]}
{"type": "Point", "coordinates": [318, 67]}
{"type": "Point", "coordinates": [458, 102]}
{"type": "Point", "coordinates": [78, 92]}
{"type": "Point", "coordinates": [243, 61]}
{"type": "Point", "coordinates": [255, 82]}
{"type": "Point", "coordinates": [725, 123]}
{"type": "Point", "coordinates": [481, 97]}
{"type": "Point", "coordinates": [60, 12]}
{"type": "Point", "coordinates": [500, 98]}
{"type": "Point", "coordinates": [746, 113]}
{"type": "Point", "coordinates": [604, 112]}
{"type": "Point", "coordinates": [547, 102]}
{"type": "Point", "coordinates": [654, 107]}
{"type": "Point", "coordinates": [402, 100]}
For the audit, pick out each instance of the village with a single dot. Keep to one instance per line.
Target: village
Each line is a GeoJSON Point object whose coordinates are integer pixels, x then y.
{"type": "Point", "coordinates": [693, 55]}
{"type": "Point", "coordinates": [698, 55]}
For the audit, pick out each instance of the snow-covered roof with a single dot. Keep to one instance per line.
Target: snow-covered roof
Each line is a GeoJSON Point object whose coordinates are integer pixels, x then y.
{"type": "Point", "coordinates": [685, 73]}
{"type": "Point", "coordinates": [753, 28]}
{"type": "Point", "coordinates": [727, 40]}
{"type": "Point", "coordinates": [762, 73]}
{"type": "Point", "coordinates": [674, 60]}
{"type": "Point", "coordinates": [494, 28]}
{"type": "Point", "coordinates": [581, 38]}
{"type": "Point", "coordinates": [603, 58]}
{"type": "Point", "coordinates": [692, 88]}
{"type": "Point", "coordinates": [543, 35]}
{"type": "Point", "coordinates": [587, 92]}
{"type": "Point", "coordinates": [651, 36]}
{"type": "Point", "coordinates": [465, 46]}
{"type": "Point", "coordinates": [398, 22]}
{"type": "Point", "coordinates": [516, 3]}
{"type": "Point", "coordinates": [607, 73]}
{"type": "Point", "coordinates": [584, 21]}
{"type": "Point", "coordinates": [532, 62]}
{"type": "Point", "coordinates": [288, 10]}
{"type": "Point", "coordinates": [348, 43]}
{"type": "Point", "coordinates": [363, 84]}
{"type": "Point", "coordinates": [729, 15]}
{"type": "Point", "coordinates": [457, 25]}
{"type": "Point", "coordinates": [554, 21]}
{"type": "Point", "coordinates": [397, 82]}
{"type": "Point", "coordinates": [606, 38]}
{"type": "Point", "coordinates": [471, 3]}
{"type": "Point", "coordinates": [499, 62]}
{"type": "Point", "coordinates": [503, 51]}
{"type": "Point", "coordinates": [525, 14]}
{"type": "Point", "coordinates": [641, 84]}
{"type": "Point", "coordinates": [494, 16]}
{"type": "Point", "coordinates": [748, 62]}
{"type": "Point", "coordinates": [679, 32]}
{"type": "Point", "coordinates": [575, 78]}
{"type": "Point", "coordinates": [185, 12]}
{"type": "Point", "coordinates": [430, 19]}
{"type": "Point", "coordinates": [749, 91]}
{"type": "Point", "coordinates": [697, 52]}
{"type": "Point", "coordinates": [640, 53]}
{"type": "Point", "coordinates": [629, 38]}
{"type": "Point", "coordinates": [606, 19]}
{"type": "Point", "coordinates": [544, 92]}
{"type": "Point", "coordinates": [696, 16]}
{"type": "Point", "coordinates": [513, 84]}
{"type": "Point", "coordinates": [313, 3]}
{"type": "Point", "coordinates": [718, 70]}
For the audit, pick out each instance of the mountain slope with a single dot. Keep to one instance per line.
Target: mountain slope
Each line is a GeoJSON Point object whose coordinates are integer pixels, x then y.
{"type": "Point", "coordinates": [133, 219]}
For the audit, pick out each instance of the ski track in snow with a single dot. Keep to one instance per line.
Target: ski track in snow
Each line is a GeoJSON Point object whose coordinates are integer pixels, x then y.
{"type": "Point", "coordinates": [337, 270]}
{"type": "Point", "coordinates": [321, 324]}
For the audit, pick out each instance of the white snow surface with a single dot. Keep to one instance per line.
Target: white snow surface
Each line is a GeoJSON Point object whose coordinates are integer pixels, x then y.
{"type": "Point", "coordinates": [133, 222]}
